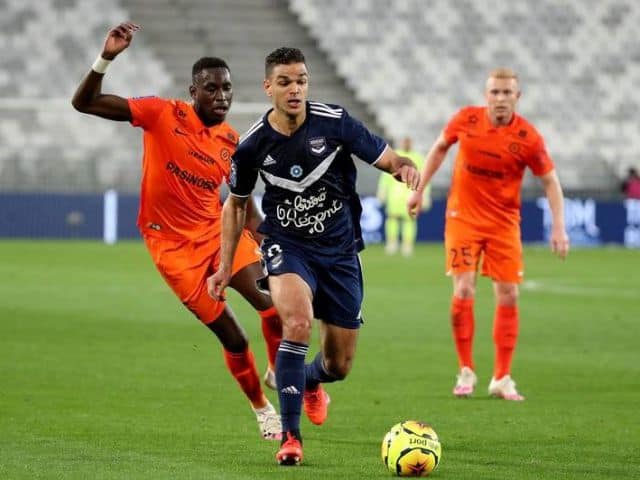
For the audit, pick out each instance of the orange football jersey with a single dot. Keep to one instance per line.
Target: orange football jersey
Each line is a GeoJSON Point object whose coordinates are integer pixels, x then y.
{"type": "Point", "coordinates": [489, 167]}
{"type": "Point", "coordinates": [183, 165]}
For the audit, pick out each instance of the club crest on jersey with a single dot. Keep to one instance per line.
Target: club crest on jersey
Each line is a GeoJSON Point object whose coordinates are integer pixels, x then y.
{"type": "Point", "coordinates": [317, 145]}
{"type": "Point", "coordinates": [296, 171]}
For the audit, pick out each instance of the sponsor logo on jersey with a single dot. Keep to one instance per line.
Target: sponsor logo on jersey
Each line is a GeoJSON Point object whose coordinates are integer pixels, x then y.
{"type": "Point", "coordinates": [201, 156]}
{"type": "Point", "coordinates": [291, 390]}
{"type": "Point", "coordinates": [489, 154]}
{"type": "Point", "coordinates": [310, 213]}
{"type": "Point", "coordinates": [296, 171]}
{"type": "Point", "coordinates": [191, 178]}
{"type": "Point", "coordinates": [484, 172]}
{"type": "Point", "coordinates": [269, 160]}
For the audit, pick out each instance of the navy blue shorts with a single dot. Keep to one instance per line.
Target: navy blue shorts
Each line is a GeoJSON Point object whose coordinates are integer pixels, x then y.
{"type": "Point", "coordinates": [335, 281]}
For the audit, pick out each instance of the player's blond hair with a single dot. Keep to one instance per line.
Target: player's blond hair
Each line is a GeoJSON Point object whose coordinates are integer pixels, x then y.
{"type": "Point", "coordinates": [503, 72]}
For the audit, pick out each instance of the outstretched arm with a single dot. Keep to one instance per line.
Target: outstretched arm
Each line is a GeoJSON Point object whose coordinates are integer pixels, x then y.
{"type": "Point", "coordinates": [401, 168]}
{"type": "Point", "coordinates": [234, 213]}
{"type": "Point", "coordinates": [553, 190]}
{"type": "Point", "coordinates": [434, 159]}
{"type": "Point", "coordinates": [89, 97]}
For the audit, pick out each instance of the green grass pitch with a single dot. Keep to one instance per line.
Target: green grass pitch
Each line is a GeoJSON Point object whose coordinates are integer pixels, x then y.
{"type": "Point", "coordinates": [104, 375]}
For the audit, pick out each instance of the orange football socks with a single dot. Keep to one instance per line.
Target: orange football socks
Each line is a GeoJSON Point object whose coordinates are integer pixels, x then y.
{"type": "Point", "coordinates": [463, 325]}
{"type": "Point", "coordinates": [272, 332]}
{"type": "Point", "coordinates": [505, 336]}
{"type": "Point", "coordinates": [243, 368]}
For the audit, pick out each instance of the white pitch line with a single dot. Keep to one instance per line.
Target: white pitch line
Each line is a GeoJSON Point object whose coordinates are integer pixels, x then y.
{"type": "Point", "coordinates": [559, 289]}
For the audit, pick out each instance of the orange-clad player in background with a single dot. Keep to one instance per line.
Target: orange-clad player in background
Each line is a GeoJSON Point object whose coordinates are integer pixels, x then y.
{"type": "Point", "coordinates": [187, 151]}
{"type": "Point", "coordinates": [482, 224]}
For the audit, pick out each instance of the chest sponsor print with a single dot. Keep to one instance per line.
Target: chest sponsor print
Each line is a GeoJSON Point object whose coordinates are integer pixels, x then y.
{"type": "Point", "coordinates": [310, 212]}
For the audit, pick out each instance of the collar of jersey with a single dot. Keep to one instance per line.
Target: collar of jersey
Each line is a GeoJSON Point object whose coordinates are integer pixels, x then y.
{"type": "Point", "coordinates": [193, 123]}
{"type": "Point", "coordinates": [275, 133]}
{"type": "Point", "coordinates": [490, 127]}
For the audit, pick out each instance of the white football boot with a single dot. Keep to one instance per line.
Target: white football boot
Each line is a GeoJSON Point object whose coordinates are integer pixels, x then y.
{"type": "Point", "coordinates": [466, 383]}
{"type": "Point", "coordinates": [504, 388]}
{"type": "Point", "coordinates": [269, 422]}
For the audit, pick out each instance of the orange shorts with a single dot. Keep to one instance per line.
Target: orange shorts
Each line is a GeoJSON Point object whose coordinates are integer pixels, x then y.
{"type": "Point", "coordinates": [500, 252]}
{"type": "Point", "coordinates": [186, 264]}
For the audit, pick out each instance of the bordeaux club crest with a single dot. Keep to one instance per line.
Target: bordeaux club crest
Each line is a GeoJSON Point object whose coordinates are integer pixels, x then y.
{"type": "Point", "coordinates": [317, 145]}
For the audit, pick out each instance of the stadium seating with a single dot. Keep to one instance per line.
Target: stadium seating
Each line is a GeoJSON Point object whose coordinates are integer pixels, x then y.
{"type": "Point", "coordinates": [48, 45]}
{"type": "Point", "coordinates": [410, 67]}
{"type": "Point", "coordinates": [415, 63]}
{"type": "Point", "coordinates": [242, 32]}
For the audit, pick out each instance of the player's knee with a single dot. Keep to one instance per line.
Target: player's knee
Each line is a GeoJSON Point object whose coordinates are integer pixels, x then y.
{"type": "Point", "coordinates": [465, 290]}
{"type": "Point", "coordinates": [508, 296]}
{"type": "Point", "coordinates": [338, 368]}
{"type": "Point", "coordinates": [508, 300]}
{"type": "Point", "coordinates": [297, 328]}
{"type": "Point", "coordinates": [231, 335]}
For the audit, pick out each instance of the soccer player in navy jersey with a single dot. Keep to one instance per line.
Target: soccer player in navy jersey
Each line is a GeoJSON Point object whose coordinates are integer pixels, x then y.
{"type": "Point", "coordinates": [304, 151]}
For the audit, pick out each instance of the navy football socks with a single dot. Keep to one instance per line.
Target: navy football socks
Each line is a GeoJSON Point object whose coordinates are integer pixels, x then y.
{"type": "Point", "coordinates": [290, 378]}
{"type": "Point", "coordinates": [316, 373]}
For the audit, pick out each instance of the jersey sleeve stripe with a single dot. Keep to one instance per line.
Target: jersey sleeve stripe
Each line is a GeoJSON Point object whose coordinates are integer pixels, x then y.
{"type": "Point", "coordinates": [257, 126]}
{"type": "Point", "coordinates": [381, 154]}
{"type": "Point", "coordinates": [324, 114]}
{"type": "Point", "coordinates": [239, 196]}
{"type": "Point", "coordinates": [325, 107]}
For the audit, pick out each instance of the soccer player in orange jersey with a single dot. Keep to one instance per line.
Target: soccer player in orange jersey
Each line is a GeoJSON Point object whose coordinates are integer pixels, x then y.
{"type": "Point", "coordinates": [482, 225]}
{"type": "Point", "coordinates": [187, 152]}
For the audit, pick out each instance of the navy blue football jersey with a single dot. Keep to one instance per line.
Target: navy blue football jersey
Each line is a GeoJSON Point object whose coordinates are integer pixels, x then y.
{"type": "Point", "coordinates": [309, 177]}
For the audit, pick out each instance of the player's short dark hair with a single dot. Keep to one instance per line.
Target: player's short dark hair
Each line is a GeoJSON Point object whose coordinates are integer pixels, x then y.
{"type": "Point", "coordinates": [205, 63]}
{"type": "Point", "coordinates": [282, 56]}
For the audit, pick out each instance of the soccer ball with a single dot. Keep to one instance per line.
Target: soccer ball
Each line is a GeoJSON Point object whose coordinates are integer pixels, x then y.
{"type": "Point", "coordinates": [411, 449]}
{"type": "Point", "coordinates": [387, 440]}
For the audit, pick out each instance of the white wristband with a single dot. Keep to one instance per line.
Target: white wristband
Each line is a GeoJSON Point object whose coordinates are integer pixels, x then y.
{"type": "Point", "coordinates": [100, 65]}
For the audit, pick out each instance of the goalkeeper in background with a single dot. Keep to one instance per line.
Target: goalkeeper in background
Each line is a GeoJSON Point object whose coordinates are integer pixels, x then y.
{"type": "Point", "coordinates": [400, 228]}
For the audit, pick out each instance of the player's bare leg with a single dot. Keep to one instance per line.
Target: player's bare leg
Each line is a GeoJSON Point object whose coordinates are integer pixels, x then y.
{"type": "Point", "coordinates": [392, 231]}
